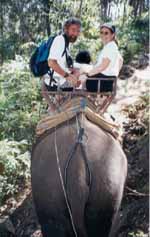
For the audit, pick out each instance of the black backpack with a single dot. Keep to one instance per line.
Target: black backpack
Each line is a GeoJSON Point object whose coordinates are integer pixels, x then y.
{"type": "Point", "coordinates": [39, 59]}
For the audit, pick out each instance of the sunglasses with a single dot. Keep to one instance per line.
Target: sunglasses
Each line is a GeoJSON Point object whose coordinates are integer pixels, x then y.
{"type": "Point", "coordinates": [104, 32]}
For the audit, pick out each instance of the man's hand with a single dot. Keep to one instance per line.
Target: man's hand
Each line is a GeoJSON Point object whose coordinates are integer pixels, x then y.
{"type": "Point", "coordinates": [72, 80]}
{"type": "Point", "coordinates": [75, 72]}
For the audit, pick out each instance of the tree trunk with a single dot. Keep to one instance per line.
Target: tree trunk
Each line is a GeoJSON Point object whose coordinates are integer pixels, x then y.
{"type": "Point", "coordinates": [2, 33]}
{"type": "Point", "coordinates": [80, 9]}
{"type": "Point", "coordinates": [104, 6]}
{"type": "Point", "coordinates": [124, 13]}
{"type": "Point", "coordinates": [47, 11]}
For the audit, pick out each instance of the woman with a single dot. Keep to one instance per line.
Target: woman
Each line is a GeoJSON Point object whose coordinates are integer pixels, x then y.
{"type": "Point", "coordinates": [109, 60]}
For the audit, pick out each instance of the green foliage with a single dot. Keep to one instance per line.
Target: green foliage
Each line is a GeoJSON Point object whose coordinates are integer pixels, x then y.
{"type": "Point", "coordinates": [20, 105]}
{"type": "Point", "coordinates": [139, 233]}
{"type": "Point", "coordinates": [133, 36]}
{"type": "Point", "coordinates": [14, 167]}
{"type": "Point", "coordinates": [145, 104]}
{"type": "Point", "coordinates": [27, 49]}
{"type": "Point", "coordinates": [92, 45]}
{"type": "Point", "coordinates": [19, 113]}
{"type": "Point", "coordinates": [19, 102]}
{"type": "Point", "coordinates": [7, 46]}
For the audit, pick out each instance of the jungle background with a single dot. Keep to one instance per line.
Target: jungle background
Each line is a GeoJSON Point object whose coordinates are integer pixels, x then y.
{"type": "Point", "coordinates": [23, 25]}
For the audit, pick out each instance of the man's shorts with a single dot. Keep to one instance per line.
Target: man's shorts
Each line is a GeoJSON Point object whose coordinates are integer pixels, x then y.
{"type": "Point", "coordinates": [55, 88]}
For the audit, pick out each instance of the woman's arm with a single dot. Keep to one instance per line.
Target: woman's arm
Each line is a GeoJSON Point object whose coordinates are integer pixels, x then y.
{"type": "Point", "coordinates": [105, 63]}
{"type": "Point", "coordinates": [120, 63]}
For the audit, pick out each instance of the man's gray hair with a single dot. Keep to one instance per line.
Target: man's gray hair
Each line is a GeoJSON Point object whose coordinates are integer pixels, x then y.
{"type": "Point", "coordinates": [71, 21]}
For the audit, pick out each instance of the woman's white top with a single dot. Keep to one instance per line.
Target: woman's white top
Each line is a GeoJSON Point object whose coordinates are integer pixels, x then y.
{"type": "Point", "coordinates": [110, 51]}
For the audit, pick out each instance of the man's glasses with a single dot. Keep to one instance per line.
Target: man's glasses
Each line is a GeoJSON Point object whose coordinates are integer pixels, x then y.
{"type": "Point", "coordinates": [104, 32]}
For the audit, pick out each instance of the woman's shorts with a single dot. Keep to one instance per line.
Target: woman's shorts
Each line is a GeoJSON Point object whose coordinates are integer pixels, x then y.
{"type": "Point", "coordinates": [105, 86]}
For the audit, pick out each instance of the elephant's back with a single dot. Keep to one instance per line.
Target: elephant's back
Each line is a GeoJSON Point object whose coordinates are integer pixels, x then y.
{"type": "Point", "coordinates": [50, 155]}
{"type": "Point", "coordinates": [89, 201]}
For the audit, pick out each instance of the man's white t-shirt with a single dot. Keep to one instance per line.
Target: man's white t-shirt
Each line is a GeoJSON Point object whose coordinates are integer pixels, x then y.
{"type": "Point", "coordinates": [110, 51]}
{"type": "Point", "coordinates": [56, 51]}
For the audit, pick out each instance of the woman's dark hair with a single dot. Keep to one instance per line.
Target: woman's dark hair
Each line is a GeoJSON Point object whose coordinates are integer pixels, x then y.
{"type": "Point", "coordinates": [83, 57]}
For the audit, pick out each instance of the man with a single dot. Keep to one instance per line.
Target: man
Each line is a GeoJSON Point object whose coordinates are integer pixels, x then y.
{"type": "Point", "coordinates": [63, 75]}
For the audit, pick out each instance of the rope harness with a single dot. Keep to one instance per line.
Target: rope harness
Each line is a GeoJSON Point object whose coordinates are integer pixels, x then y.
{"type": "Point", "coordinates": [79, 142]}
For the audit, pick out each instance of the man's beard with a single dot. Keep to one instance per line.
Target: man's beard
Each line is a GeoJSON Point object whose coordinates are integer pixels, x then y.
{"type": "Point", "coordinates": [72, 39]}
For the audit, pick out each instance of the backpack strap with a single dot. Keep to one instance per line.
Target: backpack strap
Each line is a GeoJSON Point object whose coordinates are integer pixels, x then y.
{"type": "Point", "coordinates": [66, 44]}
{"type": "Point", "coordinates": [68, 57]}
{"type": "Point", "coordinates": [50, 73]}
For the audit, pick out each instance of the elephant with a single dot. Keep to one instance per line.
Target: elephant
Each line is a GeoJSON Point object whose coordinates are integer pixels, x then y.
{"type": "Point", "coordinates": [78, 175]}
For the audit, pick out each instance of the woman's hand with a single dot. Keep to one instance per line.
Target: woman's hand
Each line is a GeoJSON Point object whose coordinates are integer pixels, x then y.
{"type": "Point", "coordinates": [76, 73]}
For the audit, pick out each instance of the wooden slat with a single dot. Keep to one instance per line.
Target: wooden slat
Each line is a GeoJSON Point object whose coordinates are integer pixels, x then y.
{"type": "Point", "coordinates": [70, 108]}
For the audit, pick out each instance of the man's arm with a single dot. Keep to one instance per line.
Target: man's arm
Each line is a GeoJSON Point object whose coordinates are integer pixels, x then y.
{"type": "Point", "coordinates": [52, 63]}
{"type": "Point", "coordinates": [56, 67]}
{"type": "Point", "coordinates": [120, 63]}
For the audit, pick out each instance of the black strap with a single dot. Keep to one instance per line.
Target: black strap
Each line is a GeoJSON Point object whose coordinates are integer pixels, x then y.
{"type": "Point", "coordinates": [51, 73]}
{"type": "Point", "coordinates": [68, 57]}
{"type": "Point", "coordinates": [72, 153]}
{"type": "Point", "coordinates": [66, 44]}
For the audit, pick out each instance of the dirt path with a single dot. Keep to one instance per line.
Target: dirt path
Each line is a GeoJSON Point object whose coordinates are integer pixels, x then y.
{"type": "Point", "coordinates": [129, 91]}
{"type": "Point", "coordinates": [134, 215]}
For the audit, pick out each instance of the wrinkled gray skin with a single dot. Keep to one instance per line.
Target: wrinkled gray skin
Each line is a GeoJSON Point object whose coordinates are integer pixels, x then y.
{"type": "Point", "coordinates": [93, 210]}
